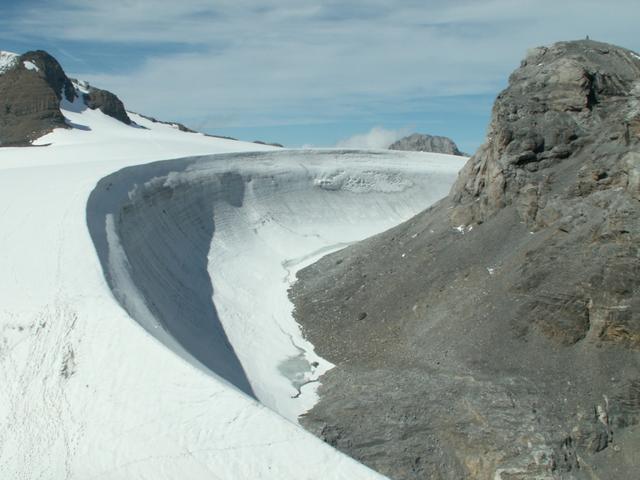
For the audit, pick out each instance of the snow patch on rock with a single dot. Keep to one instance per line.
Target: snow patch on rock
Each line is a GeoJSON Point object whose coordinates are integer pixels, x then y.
{"type": "Point", "coordinates": [8, 61]}
{"type": "Point", "coordinates": [80, 86]}
{"type": "Point", "coordinates": [30, 66]}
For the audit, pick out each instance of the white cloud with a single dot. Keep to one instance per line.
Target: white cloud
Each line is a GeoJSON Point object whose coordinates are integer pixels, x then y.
{"type": "Point", "coordinates": [270, 62]}
{"type": "Point", "coordinates": [375, 139]}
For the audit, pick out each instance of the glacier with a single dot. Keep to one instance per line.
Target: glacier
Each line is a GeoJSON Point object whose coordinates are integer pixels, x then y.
{"type": "Point", "coordinates": [145, 330]}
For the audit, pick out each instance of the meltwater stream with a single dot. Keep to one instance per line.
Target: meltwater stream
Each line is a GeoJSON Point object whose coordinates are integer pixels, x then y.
{"type": "Point", "coordinates": [201, 251]}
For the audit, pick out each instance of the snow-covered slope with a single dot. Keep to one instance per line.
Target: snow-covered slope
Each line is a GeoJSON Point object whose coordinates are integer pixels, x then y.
{"type": "Point", "coordinates": [89, 394]}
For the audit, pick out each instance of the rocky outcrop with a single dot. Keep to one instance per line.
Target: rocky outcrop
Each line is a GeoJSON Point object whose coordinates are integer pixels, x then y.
{"type": "Point", "coordinates": [183, 128]}
{"type": "Point", "coordinates": [570, 101]}
{"type": "Point", "coordinates": [497, 334]}
{"type": "Point", "coordinates": [563, 153]}
{"type": "Point", "coordinates": [272, 144]}
{"type": "Point", "coordinates": [107, 103]}
{"type": "Point", "coordinates": [32, 87]}
{"type": "Point", "coordinates": [179, 126]}
{"type": "Point", "coordinates": [30, 95]}
{"type": "Point", "coordinates": [418, 142]}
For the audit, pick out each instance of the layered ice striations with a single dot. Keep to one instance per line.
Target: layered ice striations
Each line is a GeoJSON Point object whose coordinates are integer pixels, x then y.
{"type": "Point", "coordinates": [201, 251]}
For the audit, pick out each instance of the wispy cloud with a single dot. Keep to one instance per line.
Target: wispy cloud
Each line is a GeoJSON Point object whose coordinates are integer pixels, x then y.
{"type": "Point", "coordinates": [376, 138]}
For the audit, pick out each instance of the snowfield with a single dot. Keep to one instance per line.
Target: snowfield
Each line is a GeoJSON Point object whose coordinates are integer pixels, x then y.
{"type": "Point", "coordinates": [145, 330]}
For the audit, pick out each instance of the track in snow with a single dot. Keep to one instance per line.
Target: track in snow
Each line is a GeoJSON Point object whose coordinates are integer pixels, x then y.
{"type": "Point", "coordinates": [201, 251]}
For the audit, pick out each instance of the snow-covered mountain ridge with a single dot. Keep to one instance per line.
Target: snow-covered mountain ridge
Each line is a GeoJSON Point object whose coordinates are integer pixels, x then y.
{"type": "Point", "coordinates": [34, 89]}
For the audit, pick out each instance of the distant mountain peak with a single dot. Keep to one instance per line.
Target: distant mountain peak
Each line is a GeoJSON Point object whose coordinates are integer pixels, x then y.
{"type": "Point", "coordinates": [420, 142]}
{"type": "Point", "coordinates": [35, 90]}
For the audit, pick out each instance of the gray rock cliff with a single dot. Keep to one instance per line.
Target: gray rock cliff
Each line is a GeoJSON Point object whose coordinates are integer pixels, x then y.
{"type": "Point", "coordinates": [107, 103]}
{"type": "Point", "coordinates": [30, 99]}
{"type": "Point", "coordinates": [497, 334]}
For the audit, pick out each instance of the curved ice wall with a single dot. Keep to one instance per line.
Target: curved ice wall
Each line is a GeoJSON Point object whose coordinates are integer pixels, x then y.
{"type": "Point", "coordinates": [201, 251]}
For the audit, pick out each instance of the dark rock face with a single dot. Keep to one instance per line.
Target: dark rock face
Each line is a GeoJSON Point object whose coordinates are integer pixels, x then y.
{"type": "Point", "coordinates": [52, 72]}
{"type": "Point", "coordinates": [179, 126]}
{"type": "Point", "coordinates": [273, 144]}
{"type": "Point", "coordinates": [501, 335]}
{"type": "Point", "coordinates": [30, 99]}
{"type": "Point", "coordinates": [107, 103]}
{"type": "Point", "coordinates": [418, 142]}
{"type": "Point", "coordinates": [182, 127]}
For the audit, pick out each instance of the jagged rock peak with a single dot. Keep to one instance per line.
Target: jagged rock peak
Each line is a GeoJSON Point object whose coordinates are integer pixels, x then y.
{"type": "Point", "coordinates": [419, 142]}
{"type": "Point", "coordinates": [561, 101]}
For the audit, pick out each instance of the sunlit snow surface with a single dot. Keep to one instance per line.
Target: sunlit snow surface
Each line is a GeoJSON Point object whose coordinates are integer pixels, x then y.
{"type": "Point", "coordinates": [30, 66]}
{"type": "Point", "coordinates": [8, 60]}
{"type": "Point", "coordinates": [88, 226]}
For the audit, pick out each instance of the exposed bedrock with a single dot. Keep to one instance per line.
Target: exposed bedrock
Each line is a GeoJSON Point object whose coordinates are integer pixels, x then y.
{"type": "Point", "coordinates": [497, 334]}
{"type": "Point", "coordinates": [107, 103]}
{"type": "Point", "coordinates": [32, 88]}
{"type": "Point", "coordinates": [30, 95]}
{"type": "Point", "coordinates": [419, 142]}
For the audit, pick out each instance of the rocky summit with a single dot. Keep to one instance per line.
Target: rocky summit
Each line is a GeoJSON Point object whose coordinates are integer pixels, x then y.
{"type": "Point", "coordinates": [497, 334]}
{"type": "Point", "coordinates": [32, 87]}
{"type": "Point", "coordinates": [418, 142]}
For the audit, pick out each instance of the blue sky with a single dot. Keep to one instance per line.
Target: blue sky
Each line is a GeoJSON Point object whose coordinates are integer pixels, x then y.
{"type": "Point", "coordinates": [309, 73]}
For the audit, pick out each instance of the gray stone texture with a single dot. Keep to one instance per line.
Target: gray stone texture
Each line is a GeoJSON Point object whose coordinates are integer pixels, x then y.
{"type": "Point", "coordinates": [30, 100]}
{"type": "Point", "coordinates": [107, 103]}
{"type": "Point", "coordinates": [497, 334]}
{"type": "Point", "coordinates": [418, 142]}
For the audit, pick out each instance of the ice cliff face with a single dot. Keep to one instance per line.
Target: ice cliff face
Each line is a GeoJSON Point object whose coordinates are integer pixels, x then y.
{"type": "Point", "coordinates": [201, 251]}
{"type": "Point", "coordinates": [497, 334]}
